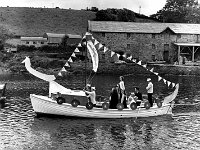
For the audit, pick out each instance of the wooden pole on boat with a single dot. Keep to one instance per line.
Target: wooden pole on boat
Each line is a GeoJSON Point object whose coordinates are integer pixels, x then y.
{"type": "Point", "coordinates": [84, 45]}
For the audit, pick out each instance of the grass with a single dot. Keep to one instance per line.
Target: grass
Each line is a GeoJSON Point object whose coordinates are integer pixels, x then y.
{"type": "Point", "coordinates": [24, 21]}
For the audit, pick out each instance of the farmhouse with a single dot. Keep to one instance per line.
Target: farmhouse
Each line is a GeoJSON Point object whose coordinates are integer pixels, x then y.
{"type": "Point", "coordinates": [53, 38]}
{"type": "Point", "coordinates": [169, 42]}
{"type": "Point", "coordinates": [35, 41]}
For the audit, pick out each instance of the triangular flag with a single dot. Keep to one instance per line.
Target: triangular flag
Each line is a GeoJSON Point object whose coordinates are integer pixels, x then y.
{"type": "Point", "coordinates": [140, 62]}
{"type": "Point", "coordinates": [144, 65]}
{"type": "Point", "coordinates": [96, 42]}
{"type": "Point", "coordinates": [105, 49]}
{"type": "Point", "coordinates": [79, 45]}
{"type": "Point", "coordinates": [59, 74]}
{"type": "Point", "coordinates": [100, 45]}
{"type": "Point", "coordinates": [88, 33]}
{"type": "Point", "coordinates": [173, 84]}
{"type": "Point", "coordinates": [134, 60]}
{"type": "Point", "coordinates": [93, 38]}
{"type": "Point", "coordinates": [168, 83]}
{"type": "Point", "coordinates": [67, 64]}
{"type": "Point", "coordinates": [124, 56]}
{"type": "Point", "coordinates": [159, 78]}
{"type": "Point", "coordinates": [151, 69]}
{"type": "Point", "coordinates": [164, 81]}
{"type": "Point", "coordinates": [118, 55]}
{"type": "Point", "coordinates": [70, 59]}
{"type": "Point", "coordinates": [73, 55]}
{"type": "Point", "coordinates": [112, 53]}
{"type": "Point", "coordinates": [76, 50]}
{"type": "Point", "coordinates": [155, 73]}
{"type": "Point", "coordinates": [63, 69]}
{"type": "Point", "coordinates": [130, 57]}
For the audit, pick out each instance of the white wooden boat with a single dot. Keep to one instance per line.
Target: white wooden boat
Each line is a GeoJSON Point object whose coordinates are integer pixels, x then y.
{"type": "Point", "coordinates": [46, 105]}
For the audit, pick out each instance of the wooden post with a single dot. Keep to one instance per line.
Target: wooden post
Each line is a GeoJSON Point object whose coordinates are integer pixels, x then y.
{"type": "Point", "coordinates": [179, 51]}
{"type": "Point", "coordinates": [193, 54]}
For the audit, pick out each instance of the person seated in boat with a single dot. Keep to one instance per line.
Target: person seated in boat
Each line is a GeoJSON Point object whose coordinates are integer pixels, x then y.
{"type": "Point", "coordinates": [138, 95]}
{"type": "Point", "coordinates": [114, 98]}
{"type": "Point", "coordinates": [131, 99]}
{"type": "Point", "coordinates": [91, 95]}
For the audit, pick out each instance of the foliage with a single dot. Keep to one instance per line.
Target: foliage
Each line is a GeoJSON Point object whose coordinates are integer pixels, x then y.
{"type": "Point", "coordinates": [115, 15]}
{"type": "Point", "coordinates": [175, 11]}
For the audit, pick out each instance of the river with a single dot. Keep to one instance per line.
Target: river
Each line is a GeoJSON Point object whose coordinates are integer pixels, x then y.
{"type": "Point", "coordinates": [20, 129]}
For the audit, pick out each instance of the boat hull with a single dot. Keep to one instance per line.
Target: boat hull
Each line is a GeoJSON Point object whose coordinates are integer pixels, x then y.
{"type": "Point", "coordinates": [46, 105]}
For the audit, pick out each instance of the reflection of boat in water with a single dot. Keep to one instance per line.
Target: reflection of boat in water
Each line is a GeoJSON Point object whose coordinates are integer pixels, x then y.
{"type": "Point", "coordinates": [2, 95]}
{"type": "Point", "coordinates": [67, 102]}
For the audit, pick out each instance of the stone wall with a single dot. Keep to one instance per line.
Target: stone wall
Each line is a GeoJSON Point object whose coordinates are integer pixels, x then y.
{"type": "Point", "coordinates": [144, 46]}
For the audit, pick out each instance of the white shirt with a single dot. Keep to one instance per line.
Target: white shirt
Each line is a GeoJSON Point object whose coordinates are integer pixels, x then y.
{"type": "Point", "coordinates": [149, 87]}
{"type": "Point", "coordinates": [121, 84]}
{"type": "Point", "coordinates": [92, 96]}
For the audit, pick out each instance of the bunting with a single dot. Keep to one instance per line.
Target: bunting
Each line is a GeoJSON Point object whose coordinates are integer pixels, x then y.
{"type": "Point", "coordinates": [95, 45]}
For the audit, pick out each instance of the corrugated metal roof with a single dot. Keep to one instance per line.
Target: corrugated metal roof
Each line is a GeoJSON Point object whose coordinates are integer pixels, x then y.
{"type": "Point", "coordinates": [54, 35]}
{"type": "Point", "coordinates": [33, 39]}
{"type": "Point", "coordinates": [187, 44]}
{"type": "Point", "coordinates": [137, 27]}
{"type": "Point", "coordinates": [73, 36]}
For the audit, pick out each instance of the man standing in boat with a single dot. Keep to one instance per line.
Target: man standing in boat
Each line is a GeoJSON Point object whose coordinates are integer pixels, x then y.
{"type": "Point", "coordinates": [149, 89]}
{"type": "Point", "coordinates": [91, 95]}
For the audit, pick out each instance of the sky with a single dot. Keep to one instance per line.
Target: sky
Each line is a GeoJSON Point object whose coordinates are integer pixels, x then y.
{"type": "Point", "coordinates": [148, 7]}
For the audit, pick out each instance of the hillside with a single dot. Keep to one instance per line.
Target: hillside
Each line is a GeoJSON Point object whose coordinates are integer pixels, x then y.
{"type": "Point", "coordinates": [18, 21]}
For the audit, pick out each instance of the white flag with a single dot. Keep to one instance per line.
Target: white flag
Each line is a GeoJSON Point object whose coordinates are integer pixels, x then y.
{"type": "Point", "coordinates": [73, 55]}
{"type": "Point", "coordinates": [140, 62]}
{"type": "Point", "coordinates": [173, 84]}
{"type": "Point", "coordinates": [67, 64]}
{"type": "Point", "coordinates": [134, 60]}
{"type": "Point", "coordinates": [168, 83]}
{"type": "Point", "coordinates": [144, 65]}
{"type": "Point", "coordinates": [151, 69]}
{"type": "Point", "coordinates": [59, 74]}
{"type": "Point", "coordinates": [96, 42]}
{"type": "Point", "coordinates": [164, 81]}
{"type": "Point", "coordinates": [159, 78]}
{"type": "Point", "coordinates": [79, 45]}
{"type": "Point", "coordinates": [70, 59]}
{"type": "Point", "coordinates": [105, 49]}
{"type": "Point", "coordinates": [112, 53]}
{"type": "Point", "coordinates": [118, 55]}
{"type": "Point", "coordinates": [76, 50]}
{"type": "Point", "coordinates": [100, 45]}
{"type": "Point", "coordinates": [88, 33]}
{"type": "Point", "coordinates": [93, 54]}
{"type": "Point", "coordinates": [63, 69]}
{"type": "Point", "coordinates": [155, 73]}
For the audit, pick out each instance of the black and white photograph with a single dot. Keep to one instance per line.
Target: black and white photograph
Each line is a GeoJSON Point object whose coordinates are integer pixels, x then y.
{"type": "Point", "coordinates": [100, 75]}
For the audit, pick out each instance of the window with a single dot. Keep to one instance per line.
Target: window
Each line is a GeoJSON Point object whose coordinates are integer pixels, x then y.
{"type": "Point", "coordinates": [103, 57]}
{"type": "Point", "coordinates": [34, 42]}
{"type": "Point", "coordinates": [42, 42]}
{"type": "Point", "coordinates": [103, 34]}
{"type": "Point", "coordinates": [178, 35]}
{"type": "Point", "coordinates": [128, 35]}
{"type": "Point", "coordinates": [27, 42]}
{"type": "Point", "coordinates": [153, 36]}
{"type": "Point", "coordinates": [128, 46]}
{"type": "Point", "coordinates": [153, 46]}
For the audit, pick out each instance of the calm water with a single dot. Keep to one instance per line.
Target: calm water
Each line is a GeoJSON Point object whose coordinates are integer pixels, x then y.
{"type": "Point", "coordinates": [21, 130]}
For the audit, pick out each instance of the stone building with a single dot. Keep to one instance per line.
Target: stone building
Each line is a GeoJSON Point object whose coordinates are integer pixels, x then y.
{"type": "Point", "coordinates": [149, 41]}
{"type": "Point", "coordinates": [33, 41]}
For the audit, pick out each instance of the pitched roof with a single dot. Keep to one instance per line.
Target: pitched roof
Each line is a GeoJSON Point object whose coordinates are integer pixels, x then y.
{"type": "Point", "coordinates": [74, 36]}
{"type": "Point", "coordinates": [137, 27]}
{"type": "Point", "coordinates": [56, 35]}
{"type": "Point", "coordinates": [33, 39]}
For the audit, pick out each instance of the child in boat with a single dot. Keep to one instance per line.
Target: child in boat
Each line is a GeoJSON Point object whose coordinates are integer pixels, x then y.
{"type": "Point", "coordinates": [91, 95]}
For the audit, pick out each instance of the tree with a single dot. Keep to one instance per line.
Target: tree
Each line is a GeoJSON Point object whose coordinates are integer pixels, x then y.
{"type": "Point", "coordinates": [115, 15]}
{"type": "Point", "coordinates": [175, 11]}
{"type": "Point", "coordinates": [193, 15]}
